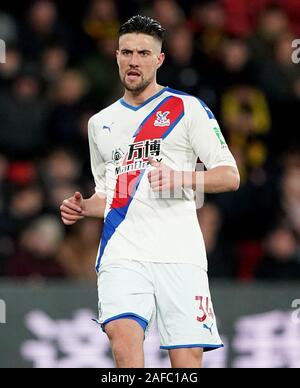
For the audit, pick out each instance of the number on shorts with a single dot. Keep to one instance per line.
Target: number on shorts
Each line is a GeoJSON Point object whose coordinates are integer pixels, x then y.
{"type": "Point", "coordinates": [206, 311]}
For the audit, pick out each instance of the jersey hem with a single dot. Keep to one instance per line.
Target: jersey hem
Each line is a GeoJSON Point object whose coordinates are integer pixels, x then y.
{"type": "Point", "coordinates": [110, 260]}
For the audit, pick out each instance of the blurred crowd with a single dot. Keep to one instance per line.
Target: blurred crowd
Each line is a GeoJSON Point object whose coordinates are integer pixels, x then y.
{"type": "Point", "coordinates": [60, 69]}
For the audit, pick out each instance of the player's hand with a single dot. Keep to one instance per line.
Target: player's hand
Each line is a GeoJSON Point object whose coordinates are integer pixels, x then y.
{"type": "Point", "coordinates": [72, 209]}
{"type": "Point", "coordinates": [164, 177]}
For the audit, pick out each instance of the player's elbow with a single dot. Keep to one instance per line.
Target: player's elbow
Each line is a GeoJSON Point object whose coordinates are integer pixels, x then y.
{"type": "Point", "coordinates": [234, 181]}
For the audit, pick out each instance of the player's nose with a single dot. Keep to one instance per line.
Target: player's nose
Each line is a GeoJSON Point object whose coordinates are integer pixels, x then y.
{"type": "Point", "coordinates": [134, 60]}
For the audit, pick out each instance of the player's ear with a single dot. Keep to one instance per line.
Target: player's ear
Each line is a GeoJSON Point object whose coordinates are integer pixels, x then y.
{"type": "Point", "coordinates": [161, 59]}
{"type": "Point", "coordinates": [117, 56]}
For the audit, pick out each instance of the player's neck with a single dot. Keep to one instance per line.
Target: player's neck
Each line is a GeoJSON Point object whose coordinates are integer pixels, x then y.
{"type": "Point", "coordinates": [138, 99]}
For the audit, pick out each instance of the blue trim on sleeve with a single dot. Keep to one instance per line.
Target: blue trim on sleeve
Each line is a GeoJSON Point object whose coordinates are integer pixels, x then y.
{"type": "Point", "coordinates": [140, 320]}
{"type": "Point", "coordinates": [205, 347]}
{"type": "Point", "coordinates": [202, 103]}
{"type": "Point", "coordinates": [135, 108]}
{"type": "Point", "coordinates": [210, 114]}
{"type": "Point", "coordinates": [179, 92]}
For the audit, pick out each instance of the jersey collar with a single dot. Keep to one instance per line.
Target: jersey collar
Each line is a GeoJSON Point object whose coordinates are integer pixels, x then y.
{"type": "Point", "coordinates": [135, 108]}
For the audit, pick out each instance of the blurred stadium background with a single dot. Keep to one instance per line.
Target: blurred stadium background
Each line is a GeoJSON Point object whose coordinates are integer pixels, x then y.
{"type": "Point", "coordinates": [60, 69]}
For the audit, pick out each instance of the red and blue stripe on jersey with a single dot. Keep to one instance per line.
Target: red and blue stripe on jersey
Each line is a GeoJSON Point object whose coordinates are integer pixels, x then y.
{"type": "Point", "coordinates": [128, 183]}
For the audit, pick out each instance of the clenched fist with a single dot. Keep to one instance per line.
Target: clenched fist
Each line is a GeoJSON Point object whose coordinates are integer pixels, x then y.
{"type": "Point", "coordinates": [72, 209]}
{"type": "Point", "coordinates": [164, 177]}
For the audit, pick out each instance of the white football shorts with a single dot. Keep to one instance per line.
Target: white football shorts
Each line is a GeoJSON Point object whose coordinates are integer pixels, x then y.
{"type": "Point", "coordinates": [176, 294]}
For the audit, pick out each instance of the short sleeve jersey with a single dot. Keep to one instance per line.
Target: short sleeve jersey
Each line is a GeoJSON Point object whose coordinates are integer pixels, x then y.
{"type": "Point", "coordinates": [139, 224]}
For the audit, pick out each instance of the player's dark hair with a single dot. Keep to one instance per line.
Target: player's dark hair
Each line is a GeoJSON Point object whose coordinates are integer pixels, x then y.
{"type": "Point", "coordinates": [143, 25]}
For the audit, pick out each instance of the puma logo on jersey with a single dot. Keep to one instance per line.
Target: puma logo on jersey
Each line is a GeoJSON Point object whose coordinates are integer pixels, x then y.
{"type": "Point", "coordinates": [162, 120]}
{"type": "Point", "coordinates": [207, 327]}
{"type": "Point", "coordinates": [107, 127]}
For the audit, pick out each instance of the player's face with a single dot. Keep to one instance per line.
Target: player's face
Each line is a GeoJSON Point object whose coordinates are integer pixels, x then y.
{"type": "Point", "coordinates": [139, 56]}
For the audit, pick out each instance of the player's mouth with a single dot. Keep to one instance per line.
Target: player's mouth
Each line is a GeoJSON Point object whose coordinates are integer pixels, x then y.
{"type": "Point", "coordinates": [133, 75]}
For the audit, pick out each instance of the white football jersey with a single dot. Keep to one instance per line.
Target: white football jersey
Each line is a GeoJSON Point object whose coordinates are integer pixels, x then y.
{"type": "Point", "coordinates": [170, 127]}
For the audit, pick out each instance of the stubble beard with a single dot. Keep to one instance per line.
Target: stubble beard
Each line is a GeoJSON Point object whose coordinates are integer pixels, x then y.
{"type": "Point", "coordinates": [137, 88]}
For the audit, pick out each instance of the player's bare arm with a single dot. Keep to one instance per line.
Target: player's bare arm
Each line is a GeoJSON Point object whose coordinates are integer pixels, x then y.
{"type": "Point", "coordinates": [76, 207]}
{"type": "Point", "coordinates": [216, 180]}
